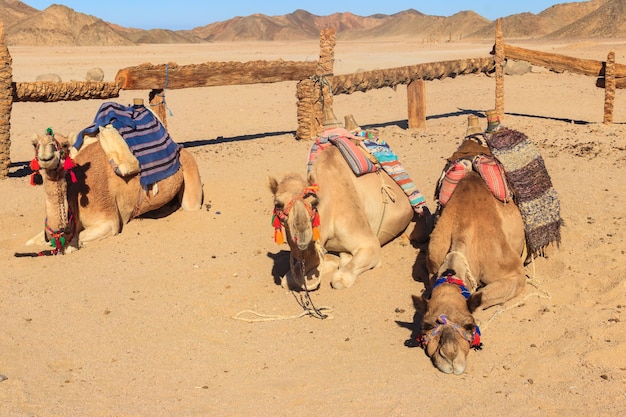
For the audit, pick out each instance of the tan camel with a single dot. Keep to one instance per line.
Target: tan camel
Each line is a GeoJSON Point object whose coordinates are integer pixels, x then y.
{"type": "Point", "coordinates": [353, 217]}
{"type": "Point", "coordinates": [90, 202]}
{"type": "Point", "coordinates": [475, 260]}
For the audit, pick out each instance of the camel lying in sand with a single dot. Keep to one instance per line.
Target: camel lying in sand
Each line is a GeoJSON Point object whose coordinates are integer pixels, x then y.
{"type": "Point", "coordinates": [336, 222]}
{"type": "Point", "coordinates": [89, 201]}
{"type": "Point", "coordinates": [475, 260]}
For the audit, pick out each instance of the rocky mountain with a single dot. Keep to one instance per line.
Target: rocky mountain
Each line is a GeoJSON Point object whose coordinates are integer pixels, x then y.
{"type": "Point", "coordinates": [60, 25]}
{"type": "Point", "coordinates": [606, 21]}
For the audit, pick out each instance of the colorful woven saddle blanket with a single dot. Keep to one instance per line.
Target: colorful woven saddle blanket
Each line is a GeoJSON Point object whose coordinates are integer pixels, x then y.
{"type": "Point", "coordinates": [147, 138]}
{"type": "Point", "coordinates": [534, 194]}
{"type": "Point", "coordinates": [490, 170]}
{"type": "Point", "coordinates": [367, 153]}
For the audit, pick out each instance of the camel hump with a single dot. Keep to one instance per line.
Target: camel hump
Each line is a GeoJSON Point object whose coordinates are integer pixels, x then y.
{"type": "Point", "coordinates": [118, 153]}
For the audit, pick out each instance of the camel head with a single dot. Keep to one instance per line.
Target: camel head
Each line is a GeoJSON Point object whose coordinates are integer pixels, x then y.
{"type": "Point", "coordinates": [448, 327]}
{"type": "Point", "coordinates": [52, 154]}
{"type": "Point", "coordinates": [295, 210]}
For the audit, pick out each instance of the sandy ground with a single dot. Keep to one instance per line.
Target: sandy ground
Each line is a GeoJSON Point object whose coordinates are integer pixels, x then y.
{"type": "Point", "coordinates": [142, 324]}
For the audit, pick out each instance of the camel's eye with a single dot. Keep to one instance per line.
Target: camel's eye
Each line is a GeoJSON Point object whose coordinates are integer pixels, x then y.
{"type": "Point", "coordinates": [469, 327]}
{"type": "Point", "coordinates": [315, 203]}
{"type": "Point", "coordinates": [279, 205]}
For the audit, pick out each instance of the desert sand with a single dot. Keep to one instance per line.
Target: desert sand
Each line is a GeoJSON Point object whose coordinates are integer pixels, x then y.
{"type": "Point", "coordinates": [143, 323]}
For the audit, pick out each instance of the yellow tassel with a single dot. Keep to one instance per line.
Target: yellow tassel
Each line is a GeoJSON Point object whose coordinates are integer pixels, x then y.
{"type": "Point", "coordinates": [278, 237]}
{"type": "Point", "coordinates": [316, 234]}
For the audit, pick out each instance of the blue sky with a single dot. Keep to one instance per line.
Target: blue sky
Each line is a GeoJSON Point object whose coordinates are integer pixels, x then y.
{"type": "Point", "coordinates": [188, 14]}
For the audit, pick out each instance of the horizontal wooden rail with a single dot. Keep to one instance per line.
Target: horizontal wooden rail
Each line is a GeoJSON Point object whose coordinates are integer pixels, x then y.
{"type": "Point", "coordinates": [69, 91]}
{"type": "Point", "coordinates": [367, 80]}
{"type": "Point", "coordinates": [559, 62]}
{"type": "Point", "coordinates": [173, 76]}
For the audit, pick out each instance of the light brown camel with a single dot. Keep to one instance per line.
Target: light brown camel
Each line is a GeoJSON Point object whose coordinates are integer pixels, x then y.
{"type": "Point", "coordinates": [90, 202]}
{"type": "Point", "coordinates": [475, 260]}
{"type": "Point", "coordinates": [353, 216]}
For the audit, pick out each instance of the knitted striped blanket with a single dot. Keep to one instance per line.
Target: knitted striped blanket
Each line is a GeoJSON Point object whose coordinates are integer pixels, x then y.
{"type": "Point", "coordinates": [532, 187]}
{"type": "Point", "coordinates": [145, 135]}
{"type": "Point", "coordinates": [361, 164]}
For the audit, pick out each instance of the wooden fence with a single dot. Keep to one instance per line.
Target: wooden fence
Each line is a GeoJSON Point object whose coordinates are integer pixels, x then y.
{"type": "Point", "coordinates": [315, 88]}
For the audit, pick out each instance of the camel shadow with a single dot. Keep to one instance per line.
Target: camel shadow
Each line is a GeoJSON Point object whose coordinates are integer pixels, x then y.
{"type": "Point", "coordinates": [415, 326]}
{"type": "Point", "coordinates": [281, 264]}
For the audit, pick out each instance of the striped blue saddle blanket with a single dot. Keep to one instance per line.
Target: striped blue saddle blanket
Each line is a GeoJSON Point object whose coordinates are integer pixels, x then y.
{"type": "Point", "coordinates": [147, 138]}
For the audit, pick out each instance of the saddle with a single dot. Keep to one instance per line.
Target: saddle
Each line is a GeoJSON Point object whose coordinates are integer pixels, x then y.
{"type": "Point", "coordinates": [472, 156]}
{"type": "Point", "coordinates": [367, 153]}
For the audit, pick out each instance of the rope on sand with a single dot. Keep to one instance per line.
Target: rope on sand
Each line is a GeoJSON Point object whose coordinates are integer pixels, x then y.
{"type": "Point", "coordinates": [260, 317]}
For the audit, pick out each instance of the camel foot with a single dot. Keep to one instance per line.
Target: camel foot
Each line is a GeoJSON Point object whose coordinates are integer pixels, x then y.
{"type": "Point", "coordinates": [342, 279]}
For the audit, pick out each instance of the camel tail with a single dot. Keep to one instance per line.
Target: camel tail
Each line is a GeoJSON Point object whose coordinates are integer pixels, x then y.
{"type": "Point", "coordinates": [192, 193]}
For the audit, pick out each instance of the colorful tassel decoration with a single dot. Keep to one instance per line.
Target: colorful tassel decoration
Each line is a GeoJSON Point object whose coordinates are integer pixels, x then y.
{"type": "Point", "coordinates": [278, 230]}
{"type": "Point", "coordinates": [34, 165]}
{"type": "Point", "coordinates": [35, 177]}
{"type": "Point", "coordinates": [68, 164]}
{"type": "Point", "coordinates": [316, 226]}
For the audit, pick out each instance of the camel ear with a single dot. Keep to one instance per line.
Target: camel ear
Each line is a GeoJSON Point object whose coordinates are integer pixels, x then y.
{"type": "Point", "coordinates": [474, 301]}
{"type": "Point", "coordinates": [64, 141]}
{"type": "Point", "coordinates": [273, 184]}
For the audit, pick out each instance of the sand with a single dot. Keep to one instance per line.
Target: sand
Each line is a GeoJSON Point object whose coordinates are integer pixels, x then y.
{"type": "Point", "coordinates": [142, 324]}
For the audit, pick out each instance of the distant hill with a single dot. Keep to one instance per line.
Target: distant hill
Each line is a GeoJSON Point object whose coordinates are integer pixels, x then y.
{"type": "Point", "coordinates": [62, 26]}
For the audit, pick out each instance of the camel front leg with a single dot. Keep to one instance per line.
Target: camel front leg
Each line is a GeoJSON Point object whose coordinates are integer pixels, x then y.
{"type": "Point", "coordinates": [98, 231]}
{"type": "Point", "coordinates": [363, 259]}
{"type": "Point", "coordinates": [500, 291]}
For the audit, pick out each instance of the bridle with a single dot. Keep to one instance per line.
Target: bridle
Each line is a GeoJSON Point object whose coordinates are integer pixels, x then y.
{"type": "Point", "coordinates": [280, 216]}
{"type": "Point", "coordinates": [66, 229]}
{"type": "Point", "coordinates": [279, 220]}
{"type": "Point", "coordinates": [64, 234]}
{"type": "Point", "coordinates": [472, 337]}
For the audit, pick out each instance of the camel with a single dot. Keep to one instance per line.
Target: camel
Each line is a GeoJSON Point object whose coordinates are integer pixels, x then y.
{"type": "Point", "coordinates": [475, 259]}
{"type": "Point", "coordinates": [87, 201]}
{"type": "Point", "coordinates": [336, 222]}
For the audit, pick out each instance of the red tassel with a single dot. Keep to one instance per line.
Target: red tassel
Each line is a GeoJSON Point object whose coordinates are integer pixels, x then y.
{"type": "Point", "coordinates": [276, 222]}
{"type": "Point", "coordinates": [278, 230]}
{"type": "Point", "coordinates": [316, 220]}
{"type": "Point", "coordinates": [72, 176]}
{"type": "Point", "coordinates": [68, 163]}
{"type": "Point", "coordinates": [32, 179]}
{"type": "Point", "coordinates": [34, 165]}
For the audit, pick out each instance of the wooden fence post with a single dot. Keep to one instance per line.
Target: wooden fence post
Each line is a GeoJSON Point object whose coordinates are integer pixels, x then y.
{"type": "Point", "coordinates": [609, 88]}
{"type": "Point", "coordinates": [416, 100]}
{"type": "Point", "coordinates": [314, 93]}
{"type": "Point", "coordinates": [499, 61]}
{"type": "Point", "coordinates": [6, 103]}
